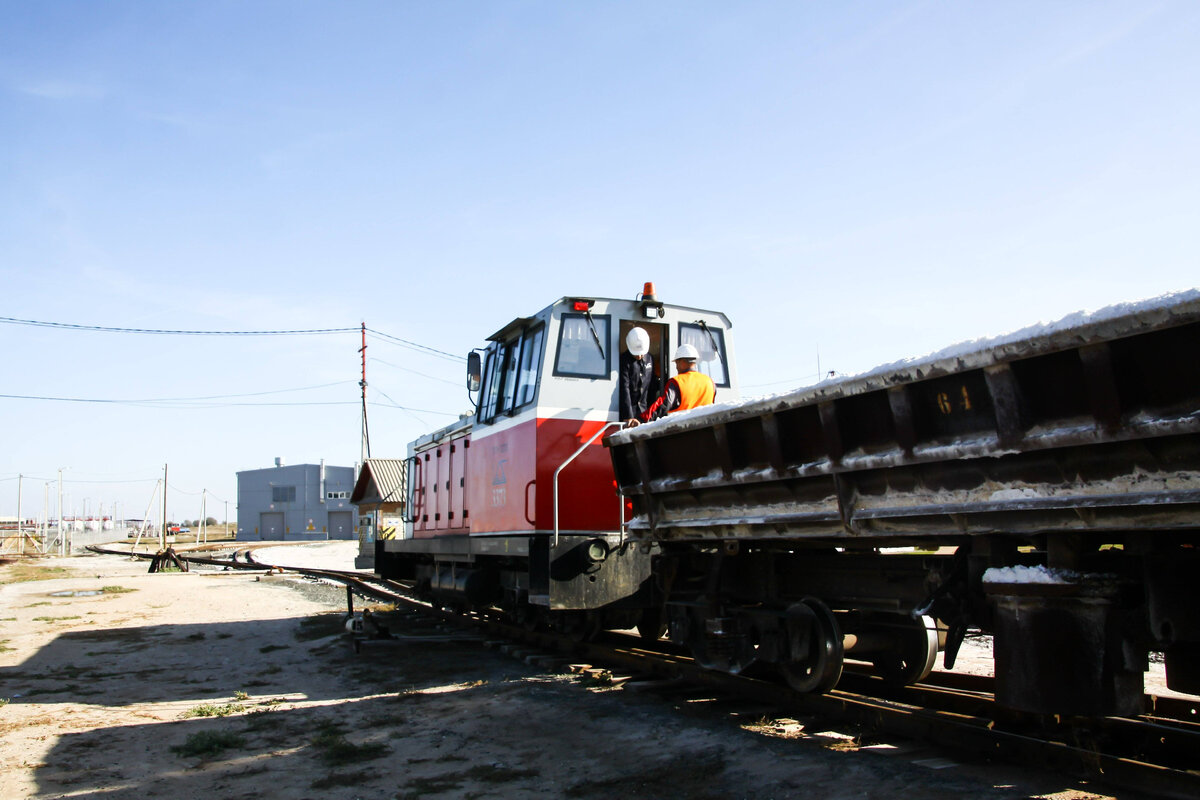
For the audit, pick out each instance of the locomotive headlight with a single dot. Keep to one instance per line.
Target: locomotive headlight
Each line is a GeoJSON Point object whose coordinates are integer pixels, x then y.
{"type": "Point", "coordinates": [596, 551]}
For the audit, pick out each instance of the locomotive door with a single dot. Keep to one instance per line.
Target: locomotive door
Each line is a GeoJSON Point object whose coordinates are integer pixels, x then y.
{"type": "Point", "coordinates": [456, 493]}
{"type": "Point", "coordinates": [660, 345]}
{"type": "Point", "coordinates": [441, 488]}
{"type": "Point", "coordinates": [418, 509]}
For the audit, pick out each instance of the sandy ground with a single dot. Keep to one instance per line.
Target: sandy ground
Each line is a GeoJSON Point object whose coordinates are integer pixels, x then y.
{"type": "Point", "coordinates": [107, 692]}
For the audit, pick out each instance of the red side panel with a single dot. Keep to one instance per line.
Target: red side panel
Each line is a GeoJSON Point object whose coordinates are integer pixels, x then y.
{"type": "Point", "coordinates": [441, 488]}
{"type": "Point", "coordinates": [499, 491]}
{"type": "Point", "coordinates": [421, 494]}
{"type": "Point", "coordinates": [504, 481]}
{"type": "Point", "coordinates": [438, 478]}
{"type": "Point", "coordinates": [587, 497]}
{"type": "Point", "coordinates": [459, 449]}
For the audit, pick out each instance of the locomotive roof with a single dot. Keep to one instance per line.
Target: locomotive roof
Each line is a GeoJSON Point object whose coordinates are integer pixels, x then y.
{"type": "Point", "coordinates": [523, 322]}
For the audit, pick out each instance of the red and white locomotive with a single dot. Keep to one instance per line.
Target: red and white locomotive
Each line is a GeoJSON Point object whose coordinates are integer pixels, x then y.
{"type": "Point", "coordinates": [516, 506]}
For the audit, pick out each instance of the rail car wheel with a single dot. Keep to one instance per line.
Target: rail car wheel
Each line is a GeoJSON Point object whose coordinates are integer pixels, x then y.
{"type": "Point", "coordinates": [914, 654]}
{"type": "Point", "coordinates": [814, 647]}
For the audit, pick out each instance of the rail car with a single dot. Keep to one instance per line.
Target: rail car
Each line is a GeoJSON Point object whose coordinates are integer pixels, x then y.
{"type": "Point", "coordinates": [1044, 487]}
{"type": "Point", "coordinates": [514, 507]}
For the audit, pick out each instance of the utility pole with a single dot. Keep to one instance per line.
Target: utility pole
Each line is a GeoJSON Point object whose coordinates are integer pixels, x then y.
{"type": "Point", "coordinates": [365, 450]}
{"type": "Point", "coordinates": [45, 516]}
{"type": "Point", "coordinates": [60, 527]}
{"type": "Point", "coordinates": [20, 519]}
{"type": "Point", "coordinates": [226, 517]}
{"type": "Point", "coordinates": [203, 514]}
{"type": "Point", "coordinates": [162, 539]}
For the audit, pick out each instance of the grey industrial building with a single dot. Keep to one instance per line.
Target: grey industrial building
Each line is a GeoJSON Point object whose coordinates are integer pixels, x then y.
{"type": "Point", "coordinates": [301, 502]}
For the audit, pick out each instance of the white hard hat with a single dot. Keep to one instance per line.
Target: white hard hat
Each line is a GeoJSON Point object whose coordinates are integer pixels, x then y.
{"type": "Point", "coordinates": [638, 341]}
{"type": "Point", "coordinates": [686, 351]}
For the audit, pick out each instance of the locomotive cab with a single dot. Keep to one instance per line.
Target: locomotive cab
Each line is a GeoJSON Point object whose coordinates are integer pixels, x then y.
{"type": "Point", "coordinates": [516, 505]}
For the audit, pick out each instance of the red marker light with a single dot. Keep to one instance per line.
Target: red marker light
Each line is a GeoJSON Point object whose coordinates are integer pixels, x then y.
{"type": "Point", "coordinates": [582, 305]}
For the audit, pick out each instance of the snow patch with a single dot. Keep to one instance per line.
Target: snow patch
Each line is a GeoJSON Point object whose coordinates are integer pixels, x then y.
{"type": "Point", "coordinates": [1071, 330]}
{"type": "Point", "coordinates": [1012, 494]}
{"type": "Point", "coordinates": [1038, 574]}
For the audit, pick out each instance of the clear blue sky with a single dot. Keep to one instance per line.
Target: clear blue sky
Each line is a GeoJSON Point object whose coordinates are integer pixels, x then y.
{"type": "Point", "coordinates": [869, 181]}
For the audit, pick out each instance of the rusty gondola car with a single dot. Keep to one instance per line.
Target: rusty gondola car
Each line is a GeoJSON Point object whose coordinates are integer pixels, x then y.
{"type": "Point", "coordinates": [1044, 486]}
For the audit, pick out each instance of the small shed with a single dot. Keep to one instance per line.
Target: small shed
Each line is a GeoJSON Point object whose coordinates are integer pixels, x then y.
{"type": "Point", "coordinates": [379, 494]}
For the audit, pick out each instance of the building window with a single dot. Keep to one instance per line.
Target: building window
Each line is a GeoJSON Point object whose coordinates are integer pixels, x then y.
{"type": "Point", "coordinates": [335, 495]}
{"type": "Point", "coordinates": [283, 494]}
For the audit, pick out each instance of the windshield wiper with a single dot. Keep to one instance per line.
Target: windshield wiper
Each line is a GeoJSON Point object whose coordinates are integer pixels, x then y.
{"type": "Point", "coordinates": [595, 336]}
{"type": "Point", "coordinates": [711, 338]}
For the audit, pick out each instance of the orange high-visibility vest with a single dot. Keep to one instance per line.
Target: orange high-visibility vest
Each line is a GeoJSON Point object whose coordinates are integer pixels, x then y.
{"type": "Point", "coordinates": [695, 389]}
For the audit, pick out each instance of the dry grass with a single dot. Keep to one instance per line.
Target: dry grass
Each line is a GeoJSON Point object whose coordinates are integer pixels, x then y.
{"type": "Point", "coordinates": [21, 572]}
{"type": "Point", "coordinates": [205, 744]}
{"type": "Point", "coordinates": [214, 710]}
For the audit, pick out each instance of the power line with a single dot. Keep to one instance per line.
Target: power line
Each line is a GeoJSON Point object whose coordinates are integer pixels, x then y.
{"type": "Point", "coordinates": [413, 371]}
{"type": "Point", "coordinates": [394, 404]}
{"type": "Point", "coordinates": [416, 346]}
{"type": "Point", "coordinates": [162, 404]}
{"type": "Point", "coordinates": [196, 399]}
{"type": "Point", "coordinates": [169, 332]}
{"type": "Point", "coordinates": [170, 403]}
{"type": "Point", "coordinates": [162, 332]}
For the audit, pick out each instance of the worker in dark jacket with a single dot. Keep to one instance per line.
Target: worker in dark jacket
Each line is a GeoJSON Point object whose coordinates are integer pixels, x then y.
{"type": "Point", "coordinates": [689, 388]}
{"type": "Point", "coordinates": [638, 384]}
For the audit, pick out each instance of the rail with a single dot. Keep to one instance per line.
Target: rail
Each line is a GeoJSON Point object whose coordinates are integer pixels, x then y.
{"type": "Point", "coordinates": [1151, 753]}
{"type": "Point", "coordinates": [572, 457]}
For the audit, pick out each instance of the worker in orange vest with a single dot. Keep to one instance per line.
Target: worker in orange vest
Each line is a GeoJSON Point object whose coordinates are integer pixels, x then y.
{"type": "Point", "coordinates": [688, 389]}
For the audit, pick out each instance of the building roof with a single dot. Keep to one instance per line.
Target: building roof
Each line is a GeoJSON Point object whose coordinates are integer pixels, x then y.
{"type": "Point", "coordinates": [287, 467]}
{"type": "Point", "coordinates": [381, 481]}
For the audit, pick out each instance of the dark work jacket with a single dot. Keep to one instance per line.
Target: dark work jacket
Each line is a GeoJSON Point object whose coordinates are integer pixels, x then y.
{"type": "Point", "coordinates": [638, 385]}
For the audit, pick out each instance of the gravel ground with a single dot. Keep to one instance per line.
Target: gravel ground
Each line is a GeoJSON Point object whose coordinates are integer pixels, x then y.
{"type": "Point", "coordinates": [231, 685]}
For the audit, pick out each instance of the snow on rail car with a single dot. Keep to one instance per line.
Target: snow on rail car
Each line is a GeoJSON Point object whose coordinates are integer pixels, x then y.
{"type": "Point", "coordinates": [515, 506]}
{"type": "Point", "coordinates": [1070, 450]}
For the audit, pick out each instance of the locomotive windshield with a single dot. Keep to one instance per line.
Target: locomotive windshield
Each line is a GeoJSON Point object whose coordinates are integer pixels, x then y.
{"type": "Point", "coordinates": [510, 377]}
{"type": "Point", "coordinates": [580, 354]}
{"type": "Point", "coordinates": [710, 344]}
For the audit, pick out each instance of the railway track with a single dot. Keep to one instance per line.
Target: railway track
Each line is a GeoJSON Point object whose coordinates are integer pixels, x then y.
{"type": "Point", "coordinates": [1156, 753]}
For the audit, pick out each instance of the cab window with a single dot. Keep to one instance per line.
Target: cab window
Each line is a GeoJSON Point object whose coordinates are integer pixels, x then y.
{"type": "Point", "coordinates": [582, 346]}
{"type": "Point", "coordinates": [510, 375]}
{"type": "Point", "coordinates": [710, 344]}
{"type": "Point", "coordinates": [493, 377]}
{"type": "Point", "coordinates": [531, 362]}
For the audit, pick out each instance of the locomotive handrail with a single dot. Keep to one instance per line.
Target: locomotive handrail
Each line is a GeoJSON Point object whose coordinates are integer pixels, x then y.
{"type": "Point", "coordinates": [572, 457]}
